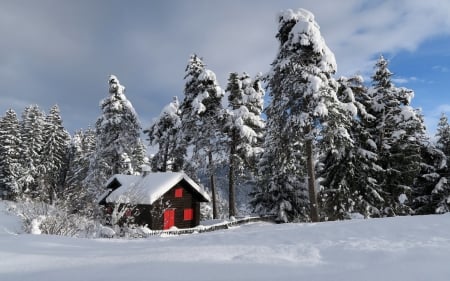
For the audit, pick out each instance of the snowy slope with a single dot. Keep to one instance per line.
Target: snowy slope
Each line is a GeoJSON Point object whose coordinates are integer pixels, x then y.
{"type": "Point", "coordinates": [402, 248]}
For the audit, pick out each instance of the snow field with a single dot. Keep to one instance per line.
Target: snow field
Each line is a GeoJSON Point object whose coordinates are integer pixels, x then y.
{"type": "Point", "coordinates": [401, 248]}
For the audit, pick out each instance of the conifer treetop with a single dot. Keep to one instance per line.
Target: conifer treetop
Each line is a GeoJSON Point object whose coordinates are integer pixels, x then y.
{"type": "Point", "coordinates": [114, 85]}
{"type": "Point", "coordinates": [299, 29]}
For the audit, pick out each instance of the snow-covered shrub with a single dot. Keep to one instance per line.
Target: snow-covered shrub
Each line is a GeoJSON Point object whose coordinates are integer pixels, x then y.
{"type": "Point", "coordinates": [42, 218]}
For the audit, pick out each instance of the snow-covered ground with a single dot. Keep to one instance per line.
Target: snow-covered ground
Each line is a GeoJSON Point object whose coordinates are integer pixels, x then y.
{"type": "Point", "coordinates": [401, 248]}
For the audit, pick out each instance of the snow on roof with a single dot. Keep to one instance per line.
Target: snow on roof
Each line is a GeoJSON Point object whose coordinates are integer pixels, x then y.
{"type": "Point", "coordinates": [147, 189]}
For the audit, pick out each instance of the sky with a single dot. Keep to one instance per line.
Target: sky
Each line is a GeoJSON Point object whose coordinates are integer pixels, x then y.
{"type": "Point", "coordinates": [62, 52]}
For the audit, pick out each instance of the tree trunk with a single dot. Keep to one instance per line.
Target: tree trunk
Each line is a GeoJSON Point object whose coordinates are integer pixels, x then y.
{"type": "Point", "coordinates": [165, 158]}
{"type": "Point", "coordinates": [231, 186]}
{"type": "Point", "coordinates": [212, 184]}
{"type": "Point", "coordinates": [313, 205]}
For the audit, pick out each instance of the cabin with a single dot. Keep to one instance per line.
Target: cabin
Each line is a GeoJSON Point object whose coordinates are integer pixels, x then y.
{"type": "Point", "coordinates": [158, 200]}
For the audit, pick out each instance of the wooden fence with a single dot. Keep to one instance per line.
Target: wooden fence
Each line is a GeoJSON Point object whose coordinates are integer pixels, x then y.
{"type": "Point", "coordinates": [209, 228]}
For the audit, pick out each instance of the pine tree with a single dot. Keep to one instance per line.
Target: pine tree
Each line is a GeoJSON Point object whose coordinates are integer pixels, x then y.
{"type": "Point", "coordinates": [32, 140]}
{"type": "Point", "coordinates": [254, 102]}
{"type": "Point", "coordinates": [431, 191]}
{"type": "Point", "coordinates": [117, 131]}
{"type": "Point", "coordinates": [243, 127]}
{"type": "Point", "coordinates": [81, 149]}
{"type": "Point", "coordinates": [443, 135]}
{"type": "Point", "coordinates": [349, 168]}
{"type": "Point", "coordinates": [165, 132]}
{"type": "Point", "coordinates": [432, 188]}
{"type": "Point", "coordinates": [303, 98]}
{"type": "Point", "coordinates": [54, 156]}
{"type": "Point", "coordinates": [399, 133]}
{"type": "Point", "coordinates": [139, 157]}
{"type": "Point", "coordinates": [201, 117]}
{"type": "Point", "coordinates": [11, 153]}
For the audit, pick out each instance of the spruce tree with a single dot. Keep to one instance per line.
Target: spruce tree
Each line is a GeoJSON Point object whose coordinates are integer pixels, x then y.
{"type": "Point", "coordinates": [443, 135]}
{"type": "Point", "coordinates": [432, 188]}
{"type": "Point", "coordinates": [243, 127]}
{"type": "Point", "coordinates": [303, 97]}
{"type": "Point", "coordinates": [32, 140]}
{"type": "Point", "coordinates": [348, 167]}
{"type": "Point", "coordinates": [166, 133]}
{"type": "Point", "coordinates": [201, 117]}
{"type": "Point", "coordinates": [253, 100]}
{"type": "Point", "coordinates": [11, 153]}
{"type": "Point", "coordinates": [54, 156]}
{"type": "Point", "coordinates": [117, 131]}
{"type": "Point", "coordinates": [431, 191]}
{"type": "Point", "coordinates": [398, 133]}
{"type": "Point", "coordinates": [75, 192]}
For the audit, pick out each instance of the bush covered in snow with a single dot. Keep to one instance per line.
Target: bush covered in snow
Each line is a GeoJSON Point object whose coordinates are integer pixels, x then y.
{"type": "Point", "coordinates": [42, 218]}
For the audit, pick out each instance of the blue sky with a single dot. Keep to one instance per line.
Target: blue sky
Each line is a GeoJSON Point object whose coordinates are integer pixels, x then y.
{"type": "Point", "coordinates": [62, 52]}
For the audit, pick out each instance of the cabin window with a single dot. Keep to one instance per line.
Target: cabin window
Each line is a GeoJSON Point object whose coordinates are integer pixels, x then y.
{"type": "Point", "coordinates": [179, 192]}
{"type": "Point", "coordinates": [188, 214]}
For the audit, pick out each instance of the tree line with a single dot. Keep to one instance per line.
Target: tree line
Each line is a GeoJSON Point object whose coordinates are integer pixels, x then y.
{"type": "Point", "coordinates": [324, 148]}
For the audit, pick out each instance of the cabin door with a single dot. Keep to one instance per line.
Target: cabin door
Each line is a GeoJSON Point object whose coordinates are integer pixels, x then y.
{"type": "Point", "coordinates": [169, 218]}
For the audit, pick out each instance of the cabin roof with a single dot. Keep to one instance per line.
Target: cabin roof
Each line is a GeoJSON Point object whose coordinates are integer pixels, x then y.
{"type": "Point", "coordinates": [147, 189]}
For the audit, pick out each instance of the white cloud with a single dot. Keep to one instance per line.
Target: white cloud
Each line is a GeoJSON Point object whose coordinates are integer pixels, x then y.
{"type": "Point", "coordinates": [443, 108]}
{"type": "Point", "coordinates": [148, 43]}
{"type": "Point", "coordinates": [400, 80]}
{"type": "Point", "coordinates": [440, 68]}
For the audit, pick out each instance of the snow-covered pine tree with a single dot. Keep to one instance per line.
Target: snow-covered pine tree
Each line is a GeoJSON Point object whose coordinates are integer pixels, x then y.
{"type": "Point", "coordinates": [431, 191]}
{"type": "Point", "coordinates": [349, 168]}
{"type": "Point", "coordinates": [54, 156]}
{"type": "Point", "coordinates": [32, 140]}
{"type": "Point", "coordinates": [243, 127]}
{"type": "Point", "coordinates": [81, 149]}
{"type": "Point", "coordinates": [443, 135]}
{"type": "Point", "coordinates": [139, 157]}
{"type": "Point", "coordinates": [303, 97]}
{"type": "Point", "coordinates": [201, 117]}
{"type": "Point", "coordinates": [11, 153]}
{"type": "Point", "coordinates": [117, 131]}
{"type": "Point", "coordinates": [432, 187]}
{"type": "Point", "coordinates": [399, 132]}
{"type": "Point", "coordinates": [166, 133]}
{"type": "Point", "coordinates": [254, 102]}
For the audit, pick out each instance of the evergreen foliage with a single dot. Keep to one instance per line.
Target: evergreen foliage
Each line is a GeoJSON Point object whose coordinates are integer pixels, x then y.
{"type": "Point", "coordinates": [202, 119]}
{"type": "Point", "coordinates": [32, 141]}
{"type": "Point", "coordinates": [11, 155]}
{"type": "Point", "coordinates": [432, 188]}
{"type": "Point", "coordinates": [81, 149]}
{"type": "Point", "coordinates": [398, 136]}
{"type": "Point", "coordinates": [243, 127]}
{"type": "Point", "coordinates": [443, 135]}
{"type": "Point", "coordinates": [166, 133]}
{"type": "Point", "coordinates": [349, 169]}
{"type": "Point", "coordinates": [117, 133]}
{"type": "Point", "coordinates": [431, 191]}
{"type": "Point", "coordinates": [303, 97]}
{"type": "Point", "coordinates": [54, 156]}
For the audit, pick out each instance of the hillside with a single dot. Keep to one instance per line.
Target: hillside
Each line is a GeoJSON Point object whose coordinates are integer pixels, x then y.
{"type": "Point", "coordinates": [401, 248]}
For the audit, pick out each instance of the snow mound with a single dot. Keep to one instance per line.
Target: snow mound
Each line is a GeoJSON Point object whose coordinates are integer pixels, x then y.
{"type": "Point", "coordinates": [9, 224]}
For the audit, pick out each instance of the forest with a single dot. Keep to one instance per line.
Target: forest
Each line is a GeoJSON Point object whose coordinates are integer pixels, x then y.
{"type": "Point", "coordinates": [296, 143]}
